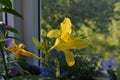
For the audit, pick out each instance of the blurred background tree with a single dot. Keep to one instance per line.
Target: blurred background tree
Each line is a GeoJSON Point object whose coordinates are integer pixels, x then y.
{"type": "Point", "coordinates": [98, 20]}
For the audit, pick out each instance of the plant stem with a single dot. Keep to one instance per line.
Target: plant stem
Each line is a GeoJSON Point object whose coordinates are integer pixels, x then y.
{"type": "Point", "coordinates": [4, 62]}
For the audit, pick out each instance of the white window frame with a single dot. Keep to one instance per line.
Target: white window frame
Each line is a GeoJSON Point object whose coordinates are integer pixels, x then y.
{"type": "Point", "coordinates": [28, 27]}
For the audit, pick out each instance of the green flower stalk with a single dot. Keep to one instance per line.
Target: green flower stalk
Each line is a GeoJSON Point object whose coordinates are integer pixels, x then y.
{"type": "Point", "coordinates": [3, 58]}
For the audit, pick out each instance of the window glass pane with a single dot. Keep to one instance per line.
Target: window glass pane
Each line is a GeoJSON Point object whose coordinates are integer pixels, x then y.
{"type": "Point", "coordinates": [97, 20]}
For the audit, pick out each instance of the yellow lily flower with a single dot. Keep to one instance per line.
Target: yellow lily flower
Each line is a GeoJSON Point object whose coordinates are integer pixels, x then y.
{"type": "Point", "coordinates": [65, 41]}
{"type": "Point", "coordinates": [18, 50]}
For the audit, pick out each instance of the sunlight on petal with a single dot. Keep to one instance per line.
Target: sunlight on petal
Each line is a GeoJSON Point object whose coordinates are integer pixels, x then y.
{"type": "Point", "coordinates": [25, 53]}
{"type": "Point", "coordinates": [77, 44]}
{"type": "Point", "coordinates": [65, 27]}
{"type": "Point", "coordinates": [69, 58]}
{"type": "Point", "coordinates": [53, 33]}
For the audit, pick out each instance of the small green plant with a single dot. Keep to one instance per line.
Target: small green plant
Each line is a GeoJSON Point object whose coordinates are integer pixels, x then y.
{"type": "Point", "coordinates": [8, 8]}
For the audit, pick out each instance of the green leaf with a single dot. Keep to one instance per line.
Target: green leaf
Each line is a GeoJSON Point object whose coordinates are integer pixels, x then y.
{"type": "Point", "coordinates": [118, 72]}
{"type": "Point", "coordinates": [2, 45]}
{"type": "Point", "coordinates": [37, 43]}
{"type": "Point", "coordinates": [11, 11]}
{"type": "Point", "coordinates": [6, 3]}
{"type": "Point", "coordinates": [12, 30]}
{"type": "Point", "coordinates": [112, 74]}
{"type": "Point", "coordinates": [57, 67]}
{"type": "Point", "coordinates": [82, 36]}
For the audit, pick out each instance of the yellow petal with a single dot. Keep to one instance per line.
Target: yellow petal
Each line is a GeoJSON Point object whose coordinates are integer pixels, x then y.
{"type": "Point", "coordinates": [77, 44]}
{"type": "Point", "coordinates": [73, 43]}
{"type": "Point", "coordinates": [60, 44]}
{"type": "Point", "coordinates": [66, 27]}
{"type": "Point", "coordinates": [9, 49]}
{"type": "Point", "coordinates": [66, 37]}
{"type": "Point", "coordinates": [14, 51]}
{"type": "Point", "coordinates": [53, 33]}
{"type": "Point", "coordinates": [69, 58]}
{"type": "Point", "coordinates": [16, 55]}
{"type": "Point", "coordinates": [29, 54]}
{"type": "Point", "coordinates": [25, 53]}
{"type": "Point", "coordinates": [21, 45]}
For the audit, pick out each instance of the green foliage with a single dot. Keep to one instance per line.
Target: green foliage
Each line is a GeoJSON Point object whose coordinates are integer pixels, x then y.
{"type": "Point", "coordinates": [98, 20]}
{"type": "Point", "coordinates": [84, 65]}
{"type": "Point", "coordinates": [118, 72]}
{"type": "Point", "coordinates": [3, 36]}
{"type": "Point", "coordinates": [2, 44]}
{"type": "Point", "coordinates": [117, 7]}
{"type": "Point", "coordinates": [6, 3]}
{"type": "Point", "coordinates": [8, 8]}
{"type": "Point", "coordinates": [4, 32]}
{"type": "Point", "coordinates": [112, 75]}
{"type": "Point", "coordinates": [12, 30]}
{"type": "Point", "coordinates": [42, 45]}
{"type": "Point", "coordinates": [78, 11]}
{"type": "Point", "coordinates": [37, 43]}
{"type": "Point", "coordinates": [11, 11]}
{"type": "Point", "coordinates": [57, 67]}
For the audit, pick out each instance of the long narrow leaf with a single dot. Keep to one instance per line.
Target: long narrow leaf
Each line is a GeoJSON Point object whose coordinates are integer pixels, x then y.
{"type": "Point", "coordinates": [57, 67]}
{"type": "Point", "coordinates": [37, 43]}
{"type": "Point", "coordinates": [12, 30]}
{"type": "Point", "coordinates": [6, 3]}
{"type": "Point", "coordinates": [11, 11]}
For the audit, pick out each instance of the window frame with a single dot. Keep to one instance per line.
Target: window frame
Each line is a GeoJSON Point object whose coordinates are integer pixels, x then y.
{"type": "Point", "coordinates": [29, 26]}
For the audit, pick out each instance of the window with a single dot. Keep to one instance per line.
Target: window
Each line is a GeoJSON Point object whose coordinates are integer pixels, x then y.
{"type": "Point", "coordinates": [28, 27]}
{"type": "Point", "coordinates": [97, 20]}
{"type": "Point", "coordinates": [92, 19]}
